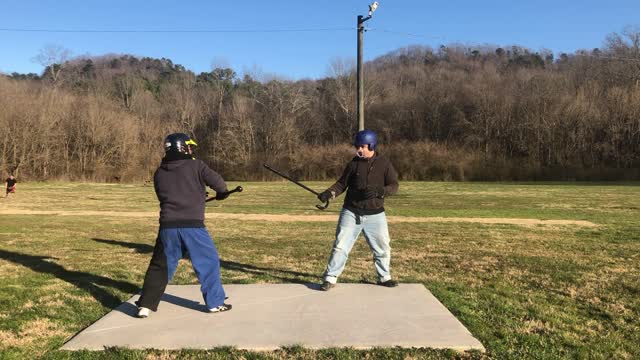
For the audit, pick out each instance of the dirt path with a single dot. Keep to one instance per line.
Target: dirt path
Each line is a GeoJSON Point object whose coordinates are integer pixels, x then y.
{"type": "Point", "coordinates": [307, 218]}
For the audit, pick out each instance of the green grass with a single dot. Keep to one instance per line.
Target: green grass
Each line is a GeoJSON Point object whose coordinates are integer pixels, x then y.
{"type": "Point", "coordinates": [524, 291]}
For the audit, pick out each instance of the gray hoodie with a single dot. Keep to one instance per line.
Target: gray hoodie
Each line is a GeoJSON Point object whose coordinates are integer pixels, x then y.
{"type": "Point", "coordinates": [180, 187]}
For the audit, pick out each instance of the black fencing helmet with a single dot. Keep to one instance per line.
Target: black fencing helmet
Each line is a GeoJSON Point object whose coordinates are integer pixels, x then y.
{"type": "Point", "coordinates": [179, 143]}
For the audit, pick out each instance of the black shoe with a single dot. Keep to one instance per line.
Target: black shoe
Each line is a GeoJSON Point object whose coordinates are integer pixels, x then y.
{"type": "Point", "coordinates": [389, 283]}
{"type": "Point", "coordinates": [326, 286]}
{"type": "Point", "coordinates": [220, 308]}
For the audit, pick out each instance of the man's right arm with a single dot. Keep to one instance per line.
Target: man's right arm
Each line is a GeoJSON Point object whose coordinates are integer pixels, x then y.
{"type": "Point", "coordinates": [341, 185]}
{"type": "Point", "coordinates": [338, 187]}
{"type": "Point", "coordinates": [155, 184]}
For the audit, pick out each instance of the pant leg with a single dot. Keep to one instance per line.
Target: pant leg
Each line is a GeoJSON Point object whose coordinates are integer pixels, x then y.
{"type": "Point", "coordinates": [206, 264]}
{"type": "Point", "coordinates": [347, 232]}
{"type": "Point", "coordinates": [376, 233]}
{"type": "Point", "coordinates": [161, 268]}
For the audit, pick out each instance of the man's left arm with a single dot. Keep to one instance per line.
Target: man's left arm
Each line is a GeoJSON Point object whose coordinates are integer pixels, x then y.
{"type": "Point", "coordinates": [390, 181]}
{"type": "Point", "coordinates": [212, 179]}
{"type": "Point", "coordinates": [390, 186]}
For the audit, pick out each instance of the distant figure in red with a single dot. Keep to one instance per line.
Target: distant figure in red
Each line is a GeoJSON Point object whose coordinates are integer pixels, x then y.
{"type": "Point", "coordinates": [11, 185]}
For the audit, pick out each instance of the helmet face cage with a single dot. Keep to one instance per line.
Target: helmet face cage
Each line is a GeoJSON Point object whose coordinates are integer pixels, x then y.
{"type": "Point", "coordinates": [366, 137]}
{"type": "Point", "coordinates": [179, 143]}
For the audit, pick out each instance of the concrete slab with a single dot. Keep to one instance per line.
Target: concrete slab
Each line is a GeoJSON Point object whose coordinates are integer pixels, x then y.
{"type": "Point", "coordinates": [269, 316]}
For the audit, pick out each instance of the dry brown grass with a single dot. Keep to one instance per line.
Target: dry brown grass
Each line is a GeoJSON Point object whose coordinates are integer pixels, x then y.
{"type": "Point", "coordinates": [11, 271]}
{"type": "Point", "coordinates": [161, 356]}
{"type": "Point", "coordinates": [32, 331]}
{"type": "Point", "coordinates": [313, 218]}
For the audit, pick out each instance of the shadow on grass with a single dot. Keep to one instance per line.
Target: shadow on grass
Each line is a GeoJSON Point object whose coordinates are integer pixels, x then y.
{"type": "Point", "coordinates": [283, 275]}
{"type": "Point", "coordinates": [139, 248]}
{"type": "Point", "coordinates": [83, 280]}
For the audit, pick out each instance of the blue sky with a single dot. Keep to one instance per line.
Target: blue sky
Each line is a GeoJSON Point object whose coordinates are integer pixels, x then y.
{"type": "Point", "coordinates": [561, 26]}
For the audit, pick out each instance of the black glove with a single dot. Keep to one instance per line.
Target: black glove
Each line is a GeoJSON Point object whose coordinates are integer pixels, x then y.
{"type": "Point", "coordinates": [222, 195]}
{"type": "Point", "coordinates": [374, 192]}
{"type": "Point", "coordinates": [325, 196]}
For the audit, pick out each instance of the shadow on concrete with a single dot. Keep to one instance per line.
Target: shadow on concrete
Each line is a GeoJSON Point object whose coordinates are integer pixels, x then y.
{"type": "Point", "coordinates": [91, 283]}
{"type": "Point", "coordinates": [313, 286]}
{"type": "Point", "coordinates": [128, 308]}
{"type": "Point", "coordinates": [287, 276]}
{"type": "Point", "coordinates": [132, 310]}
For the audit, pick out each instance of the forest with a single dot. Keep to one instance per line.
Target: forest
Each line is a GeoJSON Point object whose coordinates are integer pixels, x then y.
{"type": "Point", "coordinates": [454, 113]}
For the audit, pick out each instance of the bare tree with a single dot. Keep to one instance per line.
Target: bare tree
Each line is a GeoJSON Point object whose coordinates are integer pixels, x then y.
{"type": "Point", "coordinates": [341, 87]}
{"type": "Point", "coordinates": [53, 58]}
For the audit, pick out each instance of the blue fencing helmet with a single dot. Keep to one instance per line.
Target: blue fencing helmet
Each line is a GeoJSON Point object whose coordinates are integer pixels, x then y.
{"type": "Point", "coordinates": [366, 137]}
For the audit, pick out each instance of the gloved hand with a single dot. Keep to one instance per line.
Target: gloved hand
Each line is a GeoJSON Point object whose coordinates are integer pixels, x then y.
{"type": "Point", "coordinates": [222, 195]}
{"type": "Point", "coordinates": [374, 192]}
{"type": "Point", "coordinates": [325, 196]}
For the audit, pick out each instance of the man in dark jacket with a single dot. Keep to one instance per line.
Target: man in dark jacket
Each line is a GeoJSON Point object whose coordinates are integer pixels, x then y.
{"type": "Point", "coordinates": [11, 185]}
{"type": "Point", "coordinates": [368, 178]}
{"type": "Point", "coordinates": [180, 187]}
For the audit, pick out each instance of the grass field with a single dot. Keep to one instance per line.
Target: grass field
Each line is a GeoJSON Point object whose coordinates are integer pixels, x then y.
{"type": "Point", "coordinates": [71, 252]}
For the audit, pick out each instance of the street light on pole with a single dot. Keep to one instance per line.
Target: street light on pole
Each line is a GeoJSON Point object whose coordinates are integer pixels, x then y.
{"type": "Point", "coordinates": [360, 85]}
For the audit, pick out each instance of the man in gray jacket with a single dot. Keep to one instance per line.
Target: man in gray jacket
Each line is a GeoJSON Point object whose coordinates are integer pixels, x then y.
{"type": "Point", "coordinates": [180, 187]}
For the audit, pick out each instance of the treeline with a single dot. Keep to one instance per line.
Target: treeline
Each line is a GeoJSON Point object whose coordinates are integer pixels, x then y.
{"type": "Point", "coordinates": [456, 113]}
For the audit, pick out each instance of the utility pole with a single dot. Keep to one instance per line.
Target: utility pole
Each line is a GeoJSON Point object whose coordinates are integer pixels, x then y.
{"type": "Point", "coordinates": [359, 69]}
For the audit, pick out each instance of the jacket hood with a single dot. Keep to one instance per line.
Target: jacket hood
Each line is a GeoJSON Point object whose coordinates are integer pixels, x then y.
{"type": "Point", "coordinates": [174, 161]}
{"type": "Point", "coordinates": [173, 164]}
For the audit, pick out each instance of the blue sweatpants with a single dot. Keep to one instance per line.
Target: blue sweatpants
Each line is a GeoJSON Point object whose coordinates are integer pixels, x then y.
{"type": "Point", "coordinates": [171, 246]}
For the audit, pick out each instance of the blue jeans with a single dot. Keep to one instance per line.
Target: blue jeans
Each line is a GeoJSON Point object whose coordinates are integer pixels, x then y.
{"type": "Point", "coordinates": [171, 245]}
{"type": "Point", "coordinates": [376, 233]}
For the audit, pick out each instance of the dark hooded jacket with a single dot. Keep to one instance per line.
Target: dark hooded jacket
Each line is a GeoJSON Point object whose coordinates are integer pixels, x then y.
{"type": "Point", "coordinates": [362, 174]}
{"type": "Point", "coordinates": [180, 186]}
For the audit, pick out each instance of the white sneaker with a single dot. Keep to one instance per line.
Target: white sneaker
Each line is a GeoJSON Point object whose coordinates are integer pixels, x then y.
{"type": "Point", "coordinates": [221, 308]}
{"type": "Point", "coordinates": [143, 312]}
